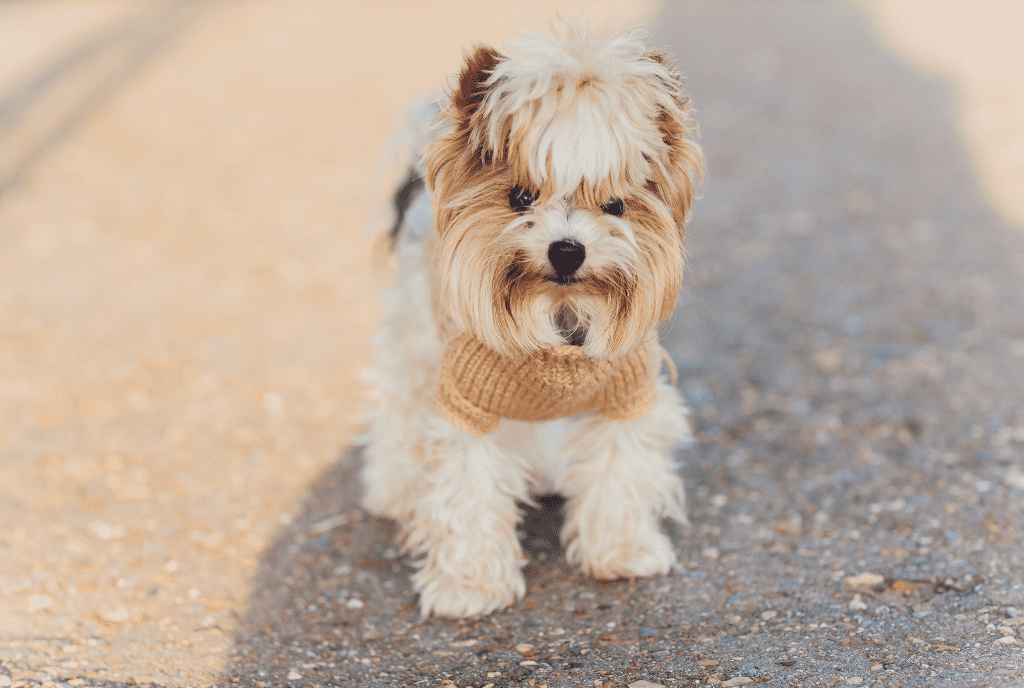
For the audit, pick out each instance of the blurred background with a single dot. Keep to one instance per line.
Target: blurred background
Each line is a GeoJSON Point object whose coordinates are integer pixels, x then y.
{"type": "Point", "coordinates": [187, 287]}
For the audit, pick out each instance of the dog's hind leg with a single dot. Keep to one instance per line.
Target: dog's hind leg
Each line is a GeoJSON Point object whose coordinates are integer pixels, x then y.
{"type": "Point", "coordinates": [620, 480]}
{"type": "Point", "coordinates": [407, 349]}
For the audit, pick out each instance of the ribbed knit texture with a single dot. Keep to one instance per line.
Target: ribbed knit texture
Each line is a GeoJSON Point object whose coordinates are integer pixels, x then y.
{"type": "Point", "coordinates": [477, 387]}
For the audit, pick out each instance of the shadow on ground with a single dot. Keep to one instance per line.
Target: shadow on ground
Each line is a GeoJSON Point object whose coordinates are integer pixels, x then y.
{"type": "Point", "coordinates": [76, 83]}
{"type": "Point", "coordinates": [851, 343]}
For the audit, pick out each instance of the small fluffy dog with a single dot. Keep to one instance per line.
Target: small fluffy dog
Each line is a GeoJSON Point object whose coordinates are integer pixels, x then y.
{"type": "Point", "coordinates": [520, 350]}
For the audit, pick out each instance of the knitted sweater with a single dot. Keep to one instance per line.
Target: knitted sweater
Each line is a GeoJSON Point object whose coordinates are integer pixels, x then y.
{"type": "Point", "coordinates": [477, 386]}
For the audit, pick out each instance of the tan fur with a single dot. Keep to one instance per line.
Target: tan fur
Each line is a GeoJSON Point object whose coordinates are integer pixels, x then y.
{"type": "Point", "coordinates": [472, 168]}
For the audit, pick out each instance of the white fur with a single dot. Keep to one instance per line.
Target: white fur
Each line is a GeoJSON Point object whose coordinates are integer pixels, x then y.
{"type": "Point", "coordinates": [608, 133]}
{"type": "Point", "coordinates": [455, 496]}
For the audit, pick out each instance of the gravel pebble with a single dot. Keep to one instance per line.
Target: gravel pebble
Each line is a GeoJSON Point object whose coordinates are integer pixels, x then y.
{"type": "Point", "coordinates": [737, 681]}
{"type": "Point", "coordinates": [866, 579]}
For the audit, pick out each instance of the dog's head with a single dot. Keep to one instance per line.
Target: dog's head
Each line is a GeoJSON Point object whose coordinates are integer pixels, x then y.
{"type": "Point", "coordinates": [562, 181]}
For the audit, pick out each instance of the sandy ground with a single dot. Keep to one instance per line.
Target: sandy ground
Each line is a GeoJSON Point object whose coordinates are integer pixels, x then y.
{"type": "Point", "coordinates": [186, 288]}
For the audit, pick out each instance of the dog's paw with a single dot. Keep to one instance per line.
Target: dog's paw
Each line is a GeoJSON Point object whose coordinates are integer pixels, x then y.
{"type": "Point", "coordinates": [456, 597]}
{"type": "Point", "coordinates": [641, 553]}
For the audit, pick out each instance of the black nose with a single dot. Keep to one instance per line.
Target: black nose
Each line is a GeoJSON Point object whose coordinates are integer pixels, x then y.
{"type": "Point", "coordinates": [566, 257]}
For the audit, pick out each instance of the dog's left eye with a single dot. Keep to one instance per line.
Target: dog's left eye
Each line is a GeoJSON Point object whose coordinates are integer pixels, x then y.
{"type": "Point", "coordinates": [614, 207]}
{"type": "Point", "coordinates": [520, 199]}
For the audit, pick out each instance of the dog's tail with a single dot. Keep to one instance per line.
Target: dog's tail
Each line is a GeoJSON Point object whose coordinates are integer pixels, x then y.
{"type": "Point", "coordinates": [408, 212]}
{"type": "Point", "coordinates": [403, 199]}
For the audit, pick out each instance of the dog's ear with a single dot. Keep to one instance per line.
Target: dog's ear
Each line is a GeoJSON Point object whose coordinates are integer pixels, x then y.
{"type": "Point", "coordinates": [685, 164]}
{"type": "Point", "coordinates": [472, 85]}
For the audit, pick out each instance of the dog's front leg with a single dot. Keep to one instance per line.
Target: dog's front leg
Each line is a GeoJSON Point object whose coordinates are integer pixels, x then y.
{"type": "Point", "coordinates": [463, 524]}
{"type": "Point", "coordinates": [619, 479]}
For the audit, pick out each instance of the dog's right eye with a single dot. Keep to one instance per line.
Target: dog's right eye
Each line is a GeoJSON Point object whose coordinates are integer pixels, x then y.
{"type": "Point", "coordinates": [520, 199]}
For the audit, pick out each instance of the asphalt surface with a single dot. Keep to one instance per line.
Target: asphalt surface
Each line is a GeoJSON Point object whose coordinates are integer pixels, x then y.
{"type": "Point", "coordinates": [851, 341]}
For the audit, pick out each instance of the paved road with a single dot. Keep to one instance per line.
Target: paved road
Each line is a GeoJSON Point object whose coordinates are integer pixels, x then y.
{"type": "Point", "coordinates": [851, 340]}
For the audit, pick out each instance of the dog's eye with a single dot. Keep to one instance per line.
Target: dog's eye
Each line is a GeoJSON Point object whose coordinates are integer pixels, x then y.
{"type": "Point", "coordinates": [520, 199]}
{"type": "Point", "coordinates": [614, 207]}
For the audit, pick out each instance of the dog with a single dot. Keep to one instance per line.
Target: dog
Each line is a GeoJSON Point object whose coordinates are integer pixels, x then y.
{"type": "Point", "coordinates": [538, 243]}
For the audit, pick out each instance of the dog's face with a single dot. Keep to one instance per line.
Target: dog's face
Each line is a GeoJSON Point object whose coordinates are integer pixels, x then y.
{"type": "Point", "coordinates": [561, 187]}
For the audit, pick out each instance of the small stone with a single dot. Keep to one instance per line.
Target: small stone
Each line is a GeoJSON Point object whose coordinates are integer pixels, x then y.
{"type": "Point", "coordinates": [737, 681]}
{"type": "Point", "coordinates": [524, 648]}
{"type": "Point", "coordinates": [854, 681]}
{"type": "Point", "coordinates": [1006, 630]}
{"type": "Point", "coordinates": [644, 683]}
{"type": "Point", "coordinates": [877, 667]}
{"type": "Point", "coordinates": [37, 602]}
{"type": "Point", "coordinates": [902, 586]}
{"type": "Point", "coordinates": [770, 614]}
{"type": "Point", "coordinates": [1014, 478]}
{"type": "Point", "coordinates": [119, 614]}
{"type": "Point", "coordinates": [5, 680]}
{"type": "Point", "coordinates": [329, 523]}
{"type": "Point", "coordinates": [857, 604]}
{"type": "Point", "coordinates": [354, 603]}
{"type": "Point", "coordinates": [1006, 640]}
{"type": "Point", "coordinates": [294, 675]}
{"type": "Point", "coordinates": [465, 643]}
{"type": "Point", "coordinates": [493, 674]}
{"type": "Point", "coordinates": [865, 580]}
{"type": "Point", "coordinates": [708, 662]}
{"type": "Point", "coordinates": [528, 662]}
{"type": "Point", "coordinates": [1015, 621]}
